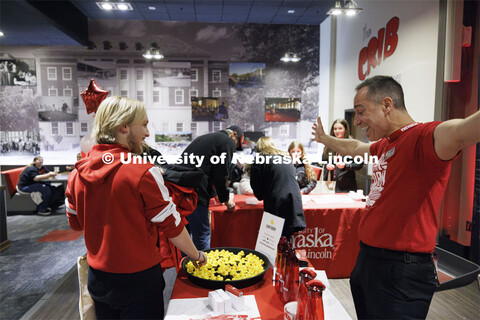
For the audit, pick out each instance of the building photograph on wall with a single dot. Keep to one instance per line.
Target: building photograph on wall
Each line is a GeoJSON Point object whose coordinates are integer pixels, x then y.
{"type": "Point", "coordinates": [57, 109]}
{"type": "Point", "coordinates": [171, 74]}
{"type": "Point", "coordinates": [246, 75]}
{"type": "Point", "coordinates": [209, 109]}
{"type": "Point", "coordinates": [282, 109]}
{"type": "Point", "coordinates": [104, 73]}
{"type": "Point", "coordinates": [18, 72]}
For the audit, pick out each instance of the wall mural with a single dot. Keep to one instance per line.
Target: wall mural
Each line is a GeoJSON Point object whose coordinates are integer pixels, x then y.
{"type": "Point", "coordinates": [236, 64]}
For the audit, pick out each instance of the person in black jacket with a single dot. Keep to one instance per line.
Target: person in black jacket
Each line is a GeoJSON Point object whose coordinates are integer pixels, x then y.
{"type": "Point", "coordinates": [216, 175]}
{"type": "Point", "coordinates": [342, 173]}
{"type": "Point", "coordinates": [304, 173]}
{"type": "Point", "coordinates": [275, 184]}
{"type": "Point", "coordinates": [32, 179]}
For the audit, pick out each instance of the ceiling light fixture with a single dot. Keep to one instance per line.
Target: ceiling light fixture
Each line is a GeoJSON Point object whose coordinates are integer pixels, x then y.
{"type": "Point", "coordinates": [290, 57]}
{"type": "Point", "coordinates": [106, 6]}
{"type": "Point", "coordinates": [122, 6]}
{"type": "Point", "coordinates": [350, 9]}
{"type": "Point", "coordinates": [1, 34]}
{"type": "Point", "coordinates": [291, 11]}
{"type": "Point", "coordinates": [153, 53]}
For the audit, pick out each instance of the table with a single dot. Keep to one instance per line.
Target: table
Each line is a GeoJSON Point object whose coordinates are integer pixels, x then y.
{"type": "Point", "coordinates": [268, 302]}
{"type": "Point", "coordinates": [331, 236]}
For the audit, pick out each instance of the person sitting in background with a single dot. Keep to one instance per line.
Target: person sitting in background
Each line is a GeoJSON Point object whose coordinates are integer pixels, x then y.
{"type": "Point", "coordinates": [304, 173]}
{"type": "Point", "coordinates": [70, 168]}
{"type": "Point", "coordinates": [275, 184]}
{"type": "Point", "coordinates": [342, 173]}
{"type": "Point", "coordinates": [31, 180]}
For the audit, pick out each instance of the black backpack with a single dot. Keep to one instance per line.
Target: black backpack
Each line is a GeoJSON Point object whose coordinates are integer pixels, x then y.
{"type": "Point", "coordinates": [182, 175]}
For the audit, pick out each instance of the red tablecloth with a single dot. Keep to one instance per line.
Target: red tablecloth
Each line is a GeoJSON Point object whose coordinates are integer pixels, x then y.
{"type": "Point", "coordinates": [331, 237]}
{"type": "Point", "coordinates": [268, 301]}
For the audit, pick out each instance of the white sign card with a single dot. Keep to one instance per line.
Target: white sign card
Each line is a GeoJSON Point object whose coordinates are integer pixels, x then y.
{"type": "Point", "coordinates": [269, 235]}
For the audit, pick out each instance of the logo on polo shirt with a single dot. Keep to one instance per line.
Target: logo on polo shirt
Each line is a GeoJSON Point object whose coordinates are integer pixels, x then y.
{"type": "Point", "coordinates": [378, 179]}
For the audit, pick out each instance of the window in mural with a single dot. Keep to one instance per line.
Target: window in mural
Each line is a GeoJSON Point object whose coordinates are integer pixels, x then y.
{"type": "Point", "coordinates": [179, 96]}
{"type": "Point", "coordinates": [216, 75]}
{"type": "Point", "coordinates": [156, 96]}
{"type": "Point", "coordinates": [52, 92]}
{"type": "Point", "coordinates": [54, 127]}
{"type": "Point", "coordinates": [140, 95]}
{"type": "Point", "coordinates": [51, 73]}
{"type": "Point", "coordinates": [83, 127]}
{"type": "Point", "coordinates": [194, 75]}
{"type": "Point", "coordinates": [67, 92]}
{"type": "Point", "coordinates": [193, 93]}
{"type": "Point", "coordinates": [69, 128]}
{"type": "Point", "coordinates": [67, 73]}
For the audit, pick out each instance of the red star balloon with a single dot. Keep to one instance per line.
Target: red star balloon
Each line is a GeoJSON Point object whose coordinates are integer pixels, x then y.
{"type": "Point", "coordinates": [93, 96]}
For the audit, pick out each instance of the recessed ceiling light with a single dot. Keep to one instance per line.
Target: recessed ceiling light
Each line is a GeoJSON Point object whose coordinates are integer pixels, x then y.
{"type": "Point", "coordinates": [291, 11]}
{"type": "Point", "coordinates": [152, 8]}
{"type": "Point", "coordinates": [1, 34]}
{"type": "Point", "coordinates": [122, 6]}
{"type": "Point", "coordinates": [106, 6]}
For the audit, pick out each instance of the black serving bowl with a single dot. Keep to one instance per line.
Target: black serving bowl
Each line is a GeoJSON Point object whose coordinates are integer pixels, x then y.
{"type": "Point", "coordinates": [217, 284]}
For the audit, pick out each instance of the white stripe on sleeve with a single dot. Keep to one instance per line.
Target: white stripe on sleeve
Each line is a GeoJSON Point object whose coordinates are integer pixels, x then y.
{"type": "Point", "coordinates": [157, 175]}
{"type": "Point", "coordinates": [69, 207]}
{"type": "Point", "coordinates": [171, 208]}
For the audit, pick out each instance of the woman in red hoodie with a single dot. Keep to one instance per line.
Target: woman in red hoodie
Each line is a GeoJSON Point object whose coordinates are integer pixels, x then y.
{"type": "Point", "coordinates": [120, 205]}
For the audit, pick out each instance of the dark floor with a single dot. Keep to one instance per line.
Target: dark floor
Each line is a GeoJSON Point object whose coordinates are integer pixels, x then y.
{"type": "Point", "coordinates": [29, 269]}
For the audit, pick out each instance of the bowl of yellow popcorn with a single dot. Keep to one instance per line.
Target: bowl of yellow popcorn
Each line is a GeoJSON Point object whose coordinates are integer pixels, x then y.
{"type": "Point", "coordinates": [236, 266]}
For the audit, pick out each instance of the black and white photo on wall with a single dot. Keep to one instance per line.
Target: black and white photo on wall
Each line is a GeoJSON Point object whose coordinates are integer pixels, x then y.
{"type": "Point", "coordinates": [209, 109]}
{"type": "Point", "coordinates": [19, 128]}
{"type": "Point", "coordinates": [104, 73]}
{"type": "Point", "coordinates": [18, 72]}
{"type": "Point", "coordinates": [171, 74]}
{"type": "Point", "coordinates": [57, 109]}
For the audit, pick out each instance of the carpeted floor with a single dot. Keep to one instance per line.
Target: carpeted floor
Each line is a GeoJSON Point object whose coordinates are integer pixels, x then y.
{"type": "Point", "coordinates": [29, 268]}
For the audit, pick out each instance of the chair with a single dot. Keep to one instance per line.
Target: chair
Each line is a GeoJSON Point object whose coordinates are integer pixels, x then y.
{"type": "Point", "coordinates": [17, 201]}
{"type": "Point", "coordinates": [318, 174]}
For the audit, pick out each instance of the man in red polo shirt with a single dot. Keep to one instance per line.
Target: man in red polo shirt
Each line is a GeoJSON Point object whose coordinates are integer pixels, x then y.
{"type": "Point", "coordinates": [395, 276]}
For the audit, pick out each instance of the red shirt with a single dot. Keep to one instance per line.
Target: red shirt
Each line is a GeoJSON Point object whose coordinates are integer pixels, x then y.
{"type": "Point", "coordinates": [408, 183]}
{"type": "Point", "coordinates": [120, 207]}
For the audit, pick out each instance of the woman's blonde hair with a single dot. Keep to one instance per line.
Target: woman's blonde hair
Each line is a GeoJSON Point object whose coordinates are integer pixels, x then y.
{"type": "Point", "coordinates": [113, 113]}
{"type": "Point", "coordinates": [266, 147]}
{"type": "Point", "coordinates": [308, 168]}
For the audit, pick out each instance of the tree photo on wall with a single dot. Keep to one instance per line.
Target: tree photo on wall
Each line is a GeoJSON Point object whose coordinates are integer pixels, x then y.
{"type": "Point", "coordinates": [19, 109]}
{"type": "Point", "coordinates": [268, 43]}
